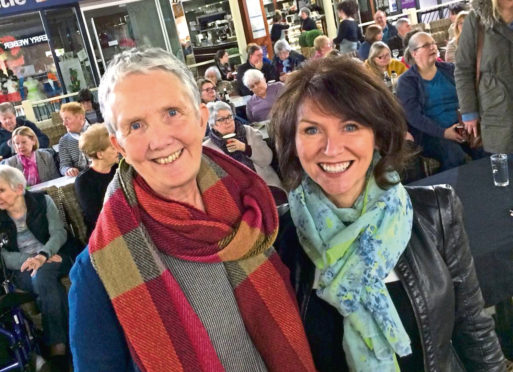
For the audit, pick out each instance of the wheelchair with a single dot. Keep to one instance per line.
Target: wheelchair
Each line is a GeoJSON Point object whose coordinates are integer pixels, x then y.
{"type": "Point", "coordinates": [18, 341]}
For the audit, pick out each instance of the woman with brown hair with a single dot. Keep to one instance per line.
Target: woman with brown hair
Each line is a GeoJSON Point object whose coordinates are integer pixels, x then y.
{"type": "Point", "coordinates": [36, 164]}
{"type": "Point", "coordinates": [372, 33]}
{"type": "Point", "coordinates": [452, 45]}
{"type": "Point", "coordinates": [381, 282]}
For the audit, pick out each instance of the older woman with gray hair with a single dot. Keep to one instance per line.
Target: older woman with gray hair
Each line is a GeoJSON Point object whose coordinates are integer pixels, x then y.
{"type": "Point", "coordinates": [307, 23]}
{"type": "Point", "coordinates": [241, 142]}
{"type": "Point", "coordinates": [32, 255]}
{"type": "Point", "coordinates": [180, 274]}
{"type": "Point", "coordinates": [264, 95]}
{"type": "Point", "coordinates": [285, 59]}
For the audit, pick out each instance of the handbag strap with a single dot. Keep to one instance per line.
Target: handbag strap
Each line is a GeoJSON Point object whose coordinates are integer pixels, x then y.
{"type": "Point", "coordinates": [479, 49]}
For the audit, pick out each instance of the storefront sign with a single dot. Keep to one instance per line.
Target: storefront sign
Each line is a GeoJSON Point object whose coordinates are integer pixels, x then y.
{"type": "Point", "coordinates": [21, 6]}
{"type": "Point", "coordinates": [27, 41]}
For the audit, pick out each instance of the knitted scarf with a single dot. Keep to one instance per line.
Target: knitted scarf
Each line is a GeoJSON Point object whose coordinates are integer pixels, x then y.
{"type": "Point", "coordinates": [355, 249]}
{"type": "Point", "coordinates": [240, 134]}
{"type": "Point", "coordinates": [238, 229]}
{"type": "Point", "coordinates": [30, 170]}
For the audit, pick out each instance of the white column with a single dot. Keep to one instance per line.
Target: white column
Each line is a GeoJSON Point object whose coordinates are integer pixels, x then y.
{"type": "Point", "coordinates": [327, 5]}
{"type": "Point", "coordinates": [239, 29]}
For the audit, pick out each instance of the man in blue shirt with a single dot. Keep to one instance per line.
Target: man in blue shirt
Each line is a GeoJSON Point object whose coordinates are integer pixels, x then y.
{"type": "Point", "coordinates": [389, 31]}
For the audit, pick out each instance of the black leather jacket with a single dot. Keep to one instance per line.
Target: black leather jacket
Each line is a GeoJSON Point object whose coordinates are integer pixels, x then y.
{"type": "Point", "coordinates": [437, 272]}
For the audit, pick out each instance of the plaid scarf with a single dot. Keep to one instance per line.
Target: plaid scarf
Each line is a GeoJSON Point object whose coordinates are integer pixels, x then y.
{"type": "Point", "coordinates": [238, 228]}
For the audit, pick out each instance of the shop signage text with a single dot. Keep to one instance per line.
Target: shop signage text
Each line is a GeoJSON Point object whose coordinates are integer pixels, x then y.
{"type": "Point", "coordinates": [26, 41]}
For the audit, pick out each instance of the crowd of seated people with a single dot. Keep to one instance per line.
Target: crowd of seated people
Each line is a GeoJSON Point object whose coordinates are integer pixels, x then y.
{"type": "Point", "coordinates": [304, 117]}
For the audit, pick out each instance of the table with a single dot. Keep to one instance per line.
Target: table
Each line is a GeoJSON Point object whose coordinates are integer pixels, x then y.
{"type": "Point", "coordinates": [57, 182]}
{"type": "Point", "coordinates": [488, 223]}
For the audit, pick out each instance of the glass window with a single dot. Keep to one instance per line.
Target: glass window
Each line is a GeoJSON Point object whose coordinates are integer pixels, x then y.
{"type": "Point", "coordinates": [69, 46]}
{"type": "Point", "coordinates": [27, 70]}
{"type": "Point", "coordinates": [118, 27]}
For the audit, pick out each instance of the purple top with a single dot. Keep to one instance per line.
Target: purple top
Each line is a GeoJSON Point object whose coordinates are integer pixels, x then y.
{"type": "Point", "coordinates": [258, 109]}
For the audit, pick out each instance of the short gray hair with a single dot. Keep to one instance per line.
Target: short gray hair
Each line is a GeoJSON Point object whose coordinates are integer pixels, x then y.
{"type": "Point", "coordinates": [413, 43]}
{"type": "Point", "coordinates": [143, 61]}
{"type": "Point", "coordinates": [7, 107]}
{"type": "Point", "coordinates": [281, 45]}
{"type": "Point", "coordinates": [251, 76]}
{"type": "Point", "coordinates": [12, 176]}
{"type": "Point", "coordinates": [401, 21]}
{"type": "Point", "coordinates": [215, 70]}
{"type": "Point", "coordinates": [213, 109]}
{"type": "Point", "coordinates": [305, 10]}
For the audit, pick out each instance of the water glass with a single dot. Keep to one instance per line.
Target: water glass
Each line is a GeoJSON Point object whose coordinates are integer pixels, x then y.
{"type": "Point", "coordinates": [500, 169]}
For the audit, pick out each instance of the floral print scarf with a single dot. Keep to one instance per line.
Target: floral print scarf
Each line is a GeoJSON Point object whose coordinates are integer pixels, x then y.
{"type": "Point", "coordinates": [355, 249]}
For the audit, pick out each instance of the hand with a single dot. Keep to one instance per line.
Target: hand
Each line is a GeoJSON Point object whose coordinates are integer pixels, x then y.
{"type": "Point", "coordinates": [259, 65]}
{"type": "Point", "coordinates": [283, 77]}
{"type": "Point", "coordinates": [235, 145]}
{"type": "Point", "coordinates": [33, 263]}
{"type": "Point", "coordinates": [451, 134]}
{"type": "Point", "coordinates": [229, 75]}
{"type": "Point", "coordinates": [471, 126]}
{"type": "Point", "coordinates": [55, 258]}
{"type": "Point", "coordinates": [72, 172]}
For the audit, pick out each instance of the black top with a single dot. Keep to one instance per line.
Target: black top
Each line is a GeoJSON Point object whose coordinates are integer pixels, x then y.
{"type": "Point", "coordinates": [90, 187]}
{"type": "Point", "coordinates": [308, 24]}
{"type": "Point", "coordinates": [328, 327]}
{"type": "Point", "coordinates": [348, 29]}
{"type": "Point", "coordinates": [276, 30]}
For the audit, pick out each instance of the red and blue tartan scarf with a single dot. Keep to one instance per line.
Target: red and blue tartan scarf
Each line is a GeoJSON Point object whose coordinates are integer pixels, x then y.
{"type": "Point", "coordinates": [238, 228]}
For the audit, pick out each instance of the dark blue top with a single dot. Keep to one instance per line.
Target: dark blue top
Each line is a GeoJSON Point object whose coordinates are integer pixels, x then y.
{"type": "Point", "coordinates": [411, 94]}
{"type": "Point", "coordinates": [348, 30]}
{"type": "Point", "coordinates": [364, 50]}
{"type": "Point", "coordinates": [441, 100]}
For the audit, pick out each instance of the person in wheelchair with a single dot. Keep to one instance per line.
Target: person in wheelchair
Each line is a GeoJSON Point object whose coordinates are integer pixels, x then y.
{"type": "Point", "coordinates": [33, 254]}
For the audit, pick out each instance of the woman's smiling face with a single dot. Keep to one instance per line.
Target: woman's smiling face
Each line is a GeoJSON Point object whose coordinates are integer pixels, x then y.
{"type": "Point", "coordinates": [159, 131]}
{"type": "Point", "coordinates": [336, 153]}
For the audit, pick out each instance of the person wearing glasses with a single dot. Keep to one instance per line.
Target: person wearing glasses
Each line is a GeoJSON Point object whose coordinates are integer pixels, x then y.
{"type": "Point", "coordinates": [207, 89]}
{"type": "Point", "coordinates": [427, 92]}
{"type": "Point", "coordinates": [380, 61]}
{"type": "Point", "coordinates": [247, 146]}
{"type": "Point", "coordinates": [259, 105]}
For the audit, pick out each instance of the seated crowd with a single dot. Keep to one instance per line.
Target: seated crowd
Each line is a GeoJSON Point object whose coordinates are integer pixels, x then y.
{"type": "Point", "coordinates": [187, 253]}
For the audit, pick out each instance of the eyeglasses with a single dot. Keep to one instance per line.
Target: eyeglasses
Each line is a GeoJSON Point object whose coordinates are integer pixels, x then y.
{"type": "Point", "coordinates": [209, 90]}
{"type": "Point", "coordinates": [426, 46]}
{"type": "Point", "coordinates": [224, 120]}
{"type": "Point", "coordinates": [384, 56]}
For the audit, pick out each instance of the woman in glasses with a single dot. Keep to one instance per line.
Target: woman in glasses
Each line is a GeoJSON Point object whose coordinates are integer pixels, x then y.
{"type": "Point", "coordinates": [207, 90]}
{"type": "Point", "coordinates": [259, 105]}
{"type": "Point", "coordinates": [380, 61]}
{"type": "Point", "coordinates": [241, 142]}
{"type": "Point", "coordinates": [428, 94]}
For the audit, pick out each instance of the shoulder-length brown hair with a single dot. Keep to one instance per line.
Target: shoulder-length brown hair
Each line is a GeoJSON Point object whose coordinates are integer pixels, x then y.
{"type": "Point", "coordinates": [341, 87]}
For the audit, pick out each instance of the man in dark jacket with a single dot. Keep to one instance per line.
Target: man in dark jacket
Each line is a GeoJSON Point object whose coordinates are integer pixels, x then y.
{"type": "Point", "coordinates": [8, 123]}
{"type": "Point", "coordinates": [396, 42]}
{"type": "Point", "coordinates": [389, 31]}
{"type": "Point", "coordinates": [255, 60]}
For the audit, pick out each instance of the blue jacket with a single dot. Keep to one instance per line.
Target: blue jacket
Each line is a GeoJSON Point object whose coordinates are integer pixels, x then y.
{"type": "Point", "coordinates": [5, 135]}
{"type": "Point", "coordinates": [96, 338]}
{"type": "Point", "coordinates": [410, 92]}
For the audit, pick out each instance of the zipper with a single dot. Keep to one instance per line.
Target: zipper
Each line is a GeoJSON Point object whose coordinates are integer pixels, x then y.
{"type": "Point", "coordinates": [402, 267]}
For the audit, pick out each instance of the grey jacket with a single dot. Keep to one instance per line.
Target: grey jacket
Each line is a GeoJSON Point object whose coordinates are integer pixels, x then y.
{"type": "Point", "coordinates": [46, 166]}
{"type": "Point", "coordinates": [261, 155]}
{"type": "Point", "coordinates": [493, 101]}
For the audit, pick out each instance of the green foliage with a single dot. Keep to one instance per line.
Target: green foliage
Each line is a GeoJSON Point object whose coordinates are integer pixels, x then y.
{"type": "Point", "coordinates": [234, 60]}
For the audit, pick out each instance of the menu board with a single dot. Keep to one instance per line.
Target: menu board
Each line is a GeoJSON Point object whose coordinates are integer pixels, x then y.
{"type": "Point", "coordinates": [256, 18]}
